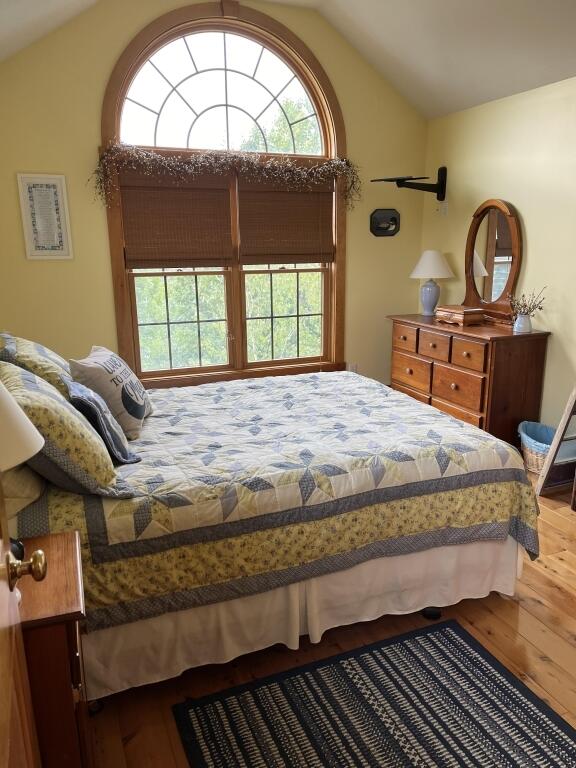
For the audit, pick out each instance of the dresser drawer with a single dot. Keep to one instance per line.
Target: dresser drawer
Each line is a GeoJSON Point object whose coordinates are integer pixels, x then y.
{"type": "Point", "coordinates": [435, 345]}
{"type": "Point", "coordinates": [469, 354]}
{"type": "Point", "coordinates": [458, 413]}
{"type": "Point", "coordinates": [420, 396]}
{"type": "Point", "coordinates": [459, 387]}
{"type": "Point", "coordinates": [404, 337]}
{"type": "Point", "coordinates": [411, 371]}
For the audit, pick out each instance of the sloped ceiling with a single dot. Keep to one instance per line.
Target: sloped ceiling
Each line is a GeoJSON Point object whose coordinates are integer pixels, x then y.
{"type": "Point", "coordinates": [442, 55]}
{"type": "Point", "coordinates": [24, 21]}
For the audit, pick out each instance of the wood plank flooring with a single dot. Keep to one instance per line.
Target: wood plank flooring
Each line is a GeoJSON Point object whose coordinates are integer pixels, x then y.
{"type": "Point", "coordinates": [532, 634]}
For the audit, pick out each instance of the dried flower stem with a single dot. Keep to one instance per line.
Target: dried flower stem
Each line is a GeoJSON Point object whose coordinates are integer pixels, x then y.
{"type": "Point", "coordinates": [282, 170]}
{"type": "Point", "coordinates": [527, 304]}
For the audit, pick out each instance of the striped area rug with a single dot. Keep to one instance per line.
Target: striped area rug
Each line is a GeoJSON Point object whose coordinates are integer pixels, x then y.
{"type": "Point", "coordinates": [433, 697]}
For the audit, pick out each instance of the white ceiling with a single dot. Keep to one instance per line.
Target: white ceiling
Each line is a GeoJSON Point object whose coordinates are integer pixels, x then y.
{"type": "Point", "coordinates": [442, 55]}
{"type": "Point", "coordinates": [24, 21]}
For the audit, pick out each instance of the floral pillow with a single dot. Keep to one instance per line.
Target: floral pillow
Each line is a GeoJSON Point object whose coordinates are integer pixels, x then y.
{"type": "Point", "coordinates": [37, 359]}
{"type": "Point", "coordinates": [74, 456]}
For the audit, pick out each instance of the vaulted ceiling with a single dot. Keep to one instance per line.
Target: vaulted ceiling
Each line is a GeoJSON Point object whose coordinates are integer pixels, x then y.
{"type": "Point", "coordinates": [442, 55]}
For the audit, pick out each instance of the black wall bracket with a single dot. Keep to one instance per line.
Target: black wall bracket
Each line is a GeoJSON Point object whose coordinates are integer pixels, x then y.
{"type": "Point", "coordinates": [384, 222]}
{"type": "Point", "coordinates": [414, 182]}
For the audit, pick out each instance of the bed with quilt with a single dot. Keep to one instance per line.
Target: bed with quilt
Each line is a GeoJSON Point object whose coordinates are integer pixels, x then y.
{"type": "Point", "coordinates": [263, 509]}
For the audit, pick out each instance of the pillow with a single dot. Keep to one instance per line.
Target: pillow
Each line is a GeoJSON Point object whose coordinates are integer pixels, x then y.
{"type": "Point", "coordinates": [109, 376]}
{"type": "Point", "coordinates": [37, 359]}
{"type": "Point", "coordinates": [21, 486]}
{"type": "Point", "coordinates": [93, 407]}
{"type": "Point", "coordinates": [74, 456]}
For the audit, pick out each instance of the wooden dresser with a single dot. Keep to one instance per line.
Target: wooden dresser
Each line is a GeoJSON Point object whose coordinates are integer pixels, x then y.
{"type": "Point", "coordinates": [483, 374]}
{"type": "Point", "coordinates": [50, 613]}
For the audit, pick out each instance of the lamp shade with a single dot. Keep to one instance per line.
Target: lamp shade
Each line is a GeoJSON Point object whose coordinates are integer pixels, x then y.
{"type": "Point", "coordinates": [432, 264]}
{"type": "Point", "coordinates": [479, 268]}
{"type": "Point", "coordinates": [19, 438]}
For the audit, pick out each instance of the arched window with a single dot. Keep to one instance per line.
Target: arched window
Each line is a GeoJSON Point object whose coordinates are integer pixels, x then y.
{"type": "Point", "coordinates": [220, 276]}
{"type": "Point", "coordinates": [220, 90]}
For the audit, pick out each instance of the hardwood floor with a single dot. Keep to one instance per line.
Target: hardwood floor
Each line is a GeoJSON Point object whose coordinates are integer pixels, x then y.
{"type": "Point", "coordinates": [532, 634]}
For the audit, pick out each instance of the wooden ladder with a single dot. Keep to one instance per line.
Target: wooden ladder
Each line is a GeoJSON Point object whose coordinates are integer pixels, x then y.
{"type": "Point", "coordinates": [560, 466]}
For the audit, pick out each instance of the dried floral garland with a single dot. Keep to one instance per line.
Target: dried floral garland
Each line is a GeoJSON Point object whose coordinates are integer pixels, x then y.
{"type": "Point", "coordinates": [281, 170]}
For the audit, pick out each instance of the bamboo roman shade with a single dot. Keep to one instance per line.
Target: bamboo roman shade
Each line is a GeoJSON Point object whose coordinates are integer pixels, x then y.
{"type": "Point", "coordinates": [168, 226]}
{"type": "Point", "coordinates": [278, 226]}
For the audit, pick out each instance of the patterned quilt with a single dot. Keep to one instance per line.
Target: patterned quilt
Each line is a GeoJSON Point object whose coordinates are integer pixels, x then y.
{"type": "Point", "coordinates": [248, 485]}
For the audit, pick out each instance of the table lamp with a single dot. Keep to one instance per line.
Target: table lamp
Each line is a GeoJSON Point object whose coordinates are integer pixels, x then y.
{"type": "Point", "coordinates": [19, 441]}
{"type": "Point", "coordinates": [431, 264]}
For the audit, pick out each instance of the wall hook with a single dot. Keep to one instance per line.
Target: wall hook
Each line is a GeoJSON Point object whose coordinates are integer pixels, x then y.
{"type": "Point", "coordinates": [412, 182]}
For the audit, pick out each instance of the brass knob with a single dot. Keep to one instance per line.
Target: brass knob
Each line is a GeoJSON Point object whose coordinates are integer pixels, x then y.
{"type": "Point", "coordinates": [465, 354]}
{"type": "Point", "coordinates": [432, 345]}
{"type": "Point", "coordinates": [453, 385]}
{"type": "Point", "coordinates": [409, 371]}
{"type": "Point", "coordinates": [403, 338]}
{"type": "Point", "coordinates": [36, 567]}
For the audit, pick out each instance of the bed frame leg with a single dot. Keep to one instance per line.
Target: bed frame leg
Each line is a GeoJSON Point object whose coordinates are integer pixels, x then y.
{"type": "Point", "coordinates": [432, 614]}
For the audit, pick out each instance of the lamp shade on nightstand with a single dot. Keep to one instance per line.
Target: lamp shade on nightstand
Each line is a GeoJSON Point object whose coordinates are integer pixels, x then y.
{"type": "Point", "coordinates": [431, 264]}
{"type": "Point", "coordinates": [19, 438]}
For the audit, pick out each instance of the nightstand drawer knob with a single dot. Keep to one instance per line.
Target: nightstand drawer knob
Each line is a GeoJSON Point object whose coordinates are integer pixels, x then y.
{"type": "Point", "coordinates": [403, 338]}
{"type": "Point", "coordinates": [409, 371]}
{"type": "Point", "coordinates": [453, 385]}
{"type": "Point", "coordinates": [36, 567]}
{"type": "Point", "coordinates": [432, 345]}
{"type": "Point", "coordinates": [465, 354]}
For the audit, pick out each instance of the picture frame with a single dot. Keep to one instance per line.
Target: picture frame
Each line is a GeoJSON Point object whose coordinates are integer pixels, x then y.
{"type": "Point", "coordinates": [45, 220]}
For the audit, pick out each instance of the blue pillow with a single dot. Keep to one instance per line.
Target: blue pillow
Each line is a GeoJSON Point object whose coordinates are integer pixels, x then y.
{"type": "Point", "coordinates": [95, 410]}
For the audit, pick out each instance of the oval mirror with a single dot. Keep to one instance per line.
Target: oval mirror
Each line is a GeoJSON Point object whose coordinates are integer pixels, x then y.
{"type": "Point", "coordinates": [493, 258]}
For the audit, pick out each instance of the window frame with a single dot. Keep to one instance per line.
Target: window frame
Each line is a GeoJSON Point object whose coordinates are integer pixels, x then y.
{"type": "Point", "coordinates": [229, 16]}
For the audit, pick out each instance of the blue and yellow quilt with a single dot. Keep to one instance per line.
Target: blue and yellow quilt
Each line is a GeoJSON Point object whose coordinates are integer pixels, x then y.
{"type": "Point", "coordinates": [248, 485]}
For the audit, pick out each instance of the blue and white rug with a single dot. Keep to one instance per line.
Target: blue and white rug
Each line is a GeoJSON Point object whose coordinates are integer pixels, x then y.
{"type": "Point", "coordinates": [433, 697]}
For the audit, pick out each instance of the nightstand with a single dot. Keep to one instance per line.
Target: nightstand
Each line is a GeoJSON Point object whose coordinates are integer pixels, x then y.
{"type": "Point", "coordinates": [50, 613]}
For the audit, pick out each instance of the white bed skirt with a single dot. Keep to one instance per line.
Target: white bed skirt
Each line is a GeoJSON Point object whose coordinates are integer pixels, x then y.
{"type": "Point", "coordinates": [156, 649]}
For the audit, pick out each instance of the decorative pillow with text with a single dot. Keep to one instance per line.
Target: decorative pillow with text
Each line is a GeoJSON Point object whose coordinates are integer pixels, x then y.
{"type": "Point", "coordinates": [113, 379]}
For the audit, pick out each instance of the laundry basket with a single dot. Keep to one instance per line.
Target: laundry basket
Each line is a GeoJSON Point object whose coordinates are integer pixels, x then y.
{"type": "Point", "coordinates": [536, 440]}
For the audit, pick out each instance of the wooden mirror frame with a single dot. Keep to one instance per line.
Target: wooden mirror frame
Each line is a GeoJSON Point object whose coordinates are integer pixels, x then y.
{"type": "Point", "coordinates": [498, 311]}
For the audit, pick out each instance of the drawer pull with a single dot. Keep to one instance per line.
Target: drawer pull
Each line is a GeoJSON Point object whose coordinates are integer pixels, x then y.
{"type": "Point", "coordinates": [454, 386]}
{"type": "Point", "coordinates": [409, 371]}
{"type": "Point", "coordinates": [432, 345]}
{"type": "Point", "coordinates": [465, 354]}
{"type": "Point", "coordinates": [403, 338]}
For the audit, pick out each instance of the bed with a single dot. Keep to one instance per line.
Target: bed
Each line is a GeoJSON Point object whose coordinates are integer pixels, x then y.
{"type": "Point", "coordinates": [268, 508]}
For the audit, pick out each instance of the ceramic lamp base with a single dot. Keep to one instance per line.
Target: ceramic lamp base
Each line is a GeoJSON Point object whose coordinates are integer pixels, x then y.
{"type": "Point", "coordinates": [429, 295]}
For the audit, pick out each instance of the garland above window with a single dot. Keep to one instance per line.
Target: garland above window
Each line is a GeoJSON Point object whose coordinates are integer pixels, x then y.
{"type": "Point", "coordinates": [283, 170]}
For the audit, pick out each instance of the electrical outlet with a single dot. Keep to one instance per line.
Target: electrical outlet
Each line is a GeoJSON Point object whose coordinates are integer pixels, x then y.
{"type": "Point", "coordinates": [352, 367]}
{"type": "Point", "coordinates": [443, 208]}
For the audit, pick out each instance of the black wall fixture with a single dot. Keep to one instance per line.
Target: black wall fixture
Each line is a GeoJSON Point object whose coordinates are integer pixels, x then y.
{"type": "Point", "coordinates": [384, 222]}
{"type": "Point", "coordinates": [413, 182]}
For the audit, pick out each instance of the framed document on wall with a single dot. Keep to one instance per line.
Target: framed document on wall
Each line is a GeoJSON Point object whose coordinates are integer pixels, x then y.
{"type": "Point", "coordinates": [44, 208]}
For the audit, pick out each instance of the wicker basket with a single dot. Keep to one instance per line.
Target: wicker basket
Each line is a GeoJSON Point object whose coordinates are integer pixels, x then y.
{"type": "Point", "coordinates": [536, 440]}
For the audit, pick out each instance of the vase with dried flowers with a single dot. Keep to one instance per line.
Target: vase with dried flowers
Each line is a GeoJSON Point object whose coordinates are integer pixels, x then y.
{"type": "Point", "coordinates": [524, 307]}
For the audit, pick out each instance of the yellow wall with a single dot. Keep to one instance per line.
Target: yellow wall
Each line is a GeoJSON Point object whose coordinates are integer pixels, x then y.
{"type": "Point", "coordinates": [51, 97]}
{"type": "Point", "coordinates": [520, 149]}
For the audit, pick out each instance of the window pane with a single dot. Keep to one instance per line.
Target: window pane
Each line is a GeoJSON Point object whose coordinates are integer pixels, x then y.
{"type": "Point", "coordinates": [174, 61]}
{"type": "Point", "coordinates": [285, 337]}
{"type": "Point", "coordinates": [244, 133]}
{"type": "Point", "coordinates": [248, 94]}
{"type": "Point", "coordinates": [242, 54]}
{"type": "Point", "coordinates": [259, 340]}
{"type": "Point", "coordinates": [181, 298]}
{"type": "Point", "coordinates": [150, 299]}
{"type": "Point", "coordinates": [277, 130]}
{"type": "Point", "coordinates": [258, 296]}
{"type": "Point", "coordinates": [311, 336]}
{"type": "Point", "coordinates": [310, 293]}
{"type": "Point", "coordinates": [295, 101]}
{"type": "Point", "coordinates": [185, 345]}
{"type": "Point", "coordinates": [211, 297]}
{"type": "Point", "coordinates": [272, 72]}
{"type": "Point", "coordinates": [285, 293]}
{"type": "Point", "coordinates": [204, 90]}
{"type": "Point", "coordinates": [174, 122]}
{"type": "Point", "coordinates": [307, 137]}
{"type": "Point", "coordinates": [207, 49]}
{"type": "Point", "coordinates": [209, 130]}
{"type": "Point", "coordinates": [214, 341]}
{"type": "Point", "coordinates": [137, 125]}
{"type": "Point", "coordinates": [148, 88]}
{"type": "Point", "coordinates": [154, 355]}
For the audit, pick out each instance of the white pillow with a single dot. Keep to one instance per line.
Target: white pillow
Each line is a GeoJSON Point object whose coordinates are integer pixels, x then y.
{"type": "Point", "coordinates": [112, 378]}
{"type": "Point", "coordinates": [21, 486]}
